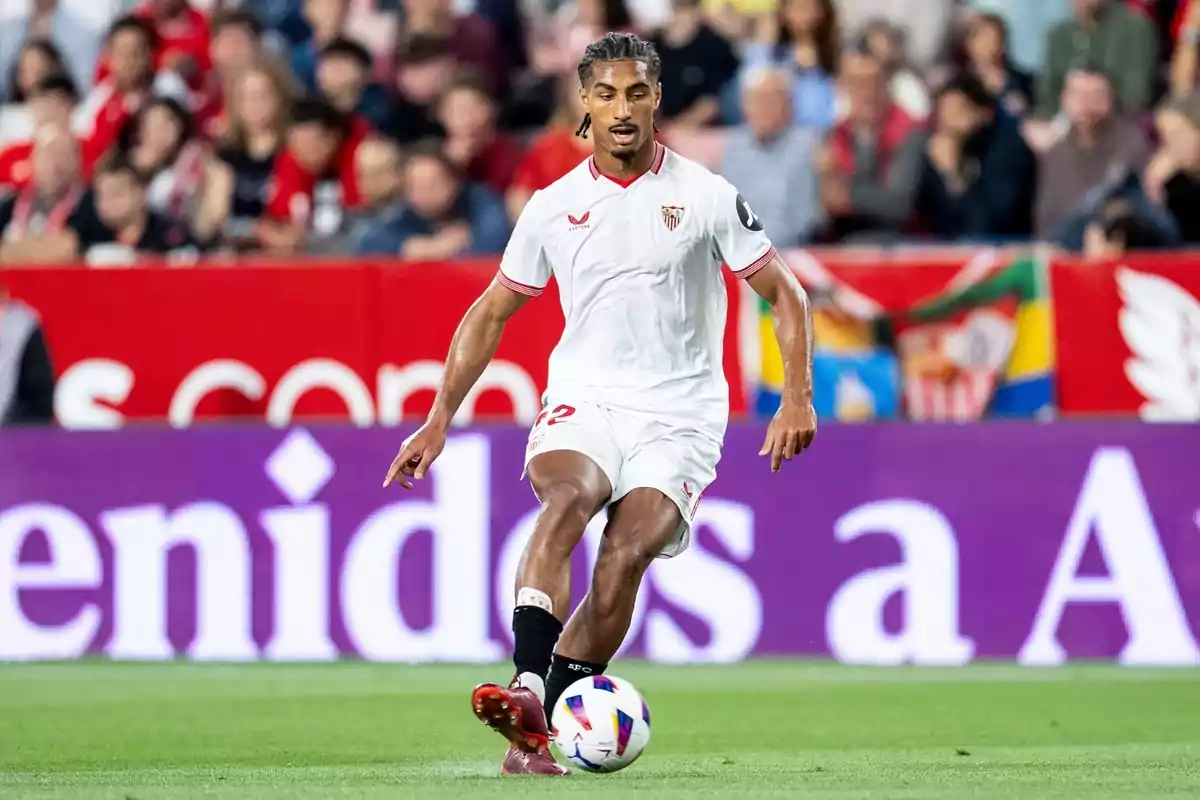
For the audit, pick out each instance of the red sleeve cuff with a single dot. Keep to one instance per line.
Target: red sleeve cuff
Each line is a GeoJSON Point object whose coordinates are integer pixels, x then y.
{"type": "Point", "coordinates": [757, 264]}
{"type": "Point", "coordinates": [518, 287]}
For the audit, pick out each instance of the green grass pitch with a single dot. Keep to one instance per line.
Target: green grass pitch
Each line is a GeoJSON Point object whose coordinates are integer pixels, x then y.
{"type": "Point", "coordinates": [757, 730]}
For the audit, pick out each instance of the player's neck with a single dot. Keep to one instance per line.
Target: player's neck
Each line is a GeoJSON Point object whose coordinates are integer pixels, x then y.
{"type": "Point", "coordinates": [626, 170]}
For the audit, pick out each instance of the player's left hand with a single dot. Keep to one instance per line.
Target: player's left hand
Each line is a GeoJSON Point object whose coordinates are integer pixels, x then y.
{"type": "Point", "coordinates": [790, 433]}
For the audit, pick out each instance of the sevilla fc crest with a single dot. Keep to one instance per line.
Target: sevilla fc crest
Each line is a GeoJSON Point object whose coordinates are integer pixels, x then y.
{"type": "Point", "coordinates": [672, 216]}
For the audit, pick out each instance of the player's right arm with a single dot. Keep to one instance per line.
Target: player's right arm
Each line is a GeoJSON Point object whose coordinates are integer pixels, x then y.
{"type": "Point", "coordinates": [524, 273]}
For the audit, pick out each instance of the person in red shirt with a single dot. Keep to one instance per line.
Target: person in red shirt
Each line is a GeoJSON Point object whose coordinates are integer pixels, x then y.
{"type": "Point", "coordinates": [51, 102]}
{"type": "Point", "coordinates": [553, 153]}
{"type": "Point", "coordinates": [467, 112]}
{"type": "Point", "coordinates": [181, 41]}
{"type": "Point", "coordinates": [314, 180]}
{"type": "Point", "coordinates": [116, 99]}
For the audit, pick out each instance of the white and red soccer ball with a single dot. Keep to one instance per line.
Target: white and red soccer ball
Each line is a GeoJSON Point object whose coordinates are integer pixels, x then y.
{"type": "Point", "coordinates": [601, 724]}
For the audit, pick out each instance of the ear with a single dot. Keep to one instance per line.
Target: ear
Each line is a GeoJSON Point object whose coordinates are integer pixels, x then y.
{"type": "Point", "coordinates": [657, 95]}
{"type": "Point", "coordinates": [585, 98]}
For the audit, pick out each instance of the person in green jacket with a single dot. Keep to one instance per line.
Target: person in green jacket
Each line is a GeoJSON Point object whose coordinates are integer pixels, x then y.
{"type": "Point", "coordinates": [1106, 36]}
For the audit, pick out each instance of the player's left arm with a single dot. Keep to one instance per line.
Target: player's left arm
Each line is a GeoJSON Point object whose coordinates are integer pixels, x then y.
{"type": "Point", "coordinates": [795, 423]}
{"type": "Point", "coordinates": [742, 244]}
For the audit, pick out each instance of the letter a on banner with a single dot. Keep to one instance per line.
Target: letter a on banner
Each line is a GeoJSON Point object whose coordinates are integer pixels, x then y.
{"type": "Point", "coordinates": [1112, 504]}
{"type": "Point", "coordinates": [926, 579]}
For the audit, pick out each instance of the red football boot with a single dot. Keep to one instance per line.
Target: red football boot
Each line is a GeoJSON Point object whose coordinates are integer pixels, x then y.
{"type": "Point", "coordinates": [516, 713]}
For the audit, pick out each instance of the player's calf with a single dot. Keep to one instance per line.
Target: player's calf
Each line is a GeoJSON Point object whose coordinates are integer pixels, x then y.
{"type": "Point", "coordinates": [640, 526]}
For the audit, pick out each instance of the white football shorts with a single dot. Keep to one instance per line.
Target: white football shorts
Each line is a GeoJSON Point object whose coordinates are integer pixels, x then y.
{"type": "Point", "coordinates": [635, 450]}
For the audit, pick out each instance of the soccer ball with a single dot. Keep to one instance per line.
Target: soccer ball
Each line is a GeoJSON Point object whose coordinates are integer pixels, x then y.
{"type": "Point", "coordinates": [601, 724]}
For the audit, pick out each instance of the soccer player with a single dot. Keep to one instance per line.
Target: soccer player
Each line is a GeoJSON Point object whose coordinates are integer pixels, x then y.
{"type": "Point", "coordinates": [636, 404]}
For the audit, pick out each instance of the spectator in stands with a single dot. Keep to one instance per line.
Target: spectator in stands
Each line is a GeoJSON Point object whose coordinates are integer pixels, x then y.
{"type": "Point", "coordinates": [41, 224]}
{"type": "Point", "coordinates": [770, 159]}
{"type": "Point", "coordinates": [805, 38]}
{"type": "Point", "coordinates": [236, 182]}
{"type": "Point", "coordinates": [469, 38]}
{"type": "Point", "coordinates": [927, 23]}
{"type": "Point", "coordinates": [575, 26]}
{"type": "Point", "coordinates": [124, 226]}
{"type": "Point", "coordinates": [886, 43]}
{"type": "Point", "coordinates": [327, 21]}
{"type": "Point", "coordinates": [468, 115]}
{"type": "Point", "coordinates": [1184, 72]}
{"type": "Point", "coordinates": [37, 59]}
{"type": "Point", "coordinates": [160, 144]}
{"type": "Point", "coordinates": [985, 55]}
{"type": "Point", "coordinates": [236, 47]}
{"type": "Point", "coordinates": [119, 96]}
{"type": "Point", "coordinates": [698, 63]}
{"type": "Point", "coordinates": [1028, 23]}
{"type": "Point", "coordinates": [554, 152]}
{"type": "Point", "coordinates": [1119, 229]}
{"type": "Point", "coordinates": [76, 37]}
{"type": "Point", "coordinates": [1099, 144]}
{"type": "Point", "coordinates": [979, 175]}
{"type": "Point", "coordinates": [424, 69]}
{"type": "Point", "coordinates": [379, 175]}
{"type": "Point", "coordinates": [50, 104]}
{"type": "Point", "coordinates": [1120, 41]}
{"type": "Point", "coordinates": [343, 77]}
{"type": "Point", "coordinates": [314, 182]}
{"type": "Point", "coordinates": [26, 372]}
{"type": "Point", "coordinates": [1173, 177]}
{"type": "Point", "coordinates": [446, 216]}
{"type": "Point", "coordinates": [870, 165]}
{"type": "Point", "coordinates": [182, 38]}
{"type": "Point", "coordinates": [283, 23]}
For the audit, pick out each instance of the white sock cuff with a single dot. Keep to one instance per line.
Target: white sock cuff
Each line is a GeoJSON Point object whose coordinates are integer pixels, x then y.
{"type": "Point", "coordinates": [534, 683]}
{"type": "Point", "coordinates": [532, 597]}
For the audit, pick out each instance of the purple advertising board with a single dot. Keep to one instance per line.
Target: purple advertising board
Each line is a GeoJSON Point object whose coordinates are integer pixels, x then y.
{"type": "Point", "coordinates": [882, 545]}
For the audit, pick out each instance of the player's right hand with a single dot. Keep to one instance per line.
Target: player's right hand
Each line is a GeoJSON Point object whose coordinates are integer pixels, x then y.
{"type": "Point", "coordinates": [416, 455]}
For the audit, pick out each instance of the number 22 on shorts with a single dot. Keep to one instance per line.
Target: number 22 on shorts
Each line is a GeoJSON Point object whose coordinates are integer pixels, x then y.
{"type": "Point", "coordinates": [549, 417]}
{"type": "Point", "coordinates": [558, 414]}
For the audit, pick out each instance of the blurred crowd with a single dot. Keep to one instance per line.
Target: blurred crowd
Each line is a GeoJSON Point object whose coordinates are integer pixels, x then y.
{"type": "Point", "coordinates": [420, 128]}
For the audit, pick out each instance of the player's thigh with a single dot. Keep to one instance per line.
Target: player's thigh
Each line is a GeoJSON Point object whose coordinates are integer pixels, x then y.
{"type": "Point", "coordinates": [668, 473]}
{"type": "Point", "coordinates": [572, 456]}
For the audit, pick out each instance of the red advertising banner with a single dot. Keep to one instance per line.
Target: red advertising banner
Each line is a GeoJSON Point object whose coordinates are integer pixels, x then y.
{"type": "Point", "coordinates": [356, 341]}
{"type": "Point", "coordinates": [1128, 336]}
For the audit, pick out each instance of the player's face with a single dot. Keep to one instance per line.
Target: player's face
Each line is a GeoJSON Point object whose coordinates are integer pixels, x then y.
{"type": "Point", "coordinates": [622, 98]}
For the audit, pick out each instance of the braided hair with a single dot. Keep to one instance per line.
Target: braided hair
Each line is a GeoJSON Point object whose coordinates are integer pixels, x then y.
{"type": "Point", "coordinates": [616, 47]}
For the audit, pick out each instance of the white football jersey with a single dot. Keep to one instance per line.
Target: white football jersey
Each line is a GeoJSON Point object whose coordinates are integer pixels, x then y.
{"type": "Point", "coordinates": [638, 271]}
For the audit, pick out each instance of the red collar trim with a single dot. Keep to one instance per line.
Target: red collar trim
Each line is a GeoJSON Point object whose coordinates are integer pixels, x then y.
{"type": "Point", "coordinates": [660, 154]}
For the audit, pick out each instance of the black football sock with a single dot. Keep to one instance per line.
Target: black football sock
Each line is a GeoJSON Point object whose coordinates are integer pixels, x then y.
{"type": "Point", "coordinates": [535, 632]}
{"type": "Point", "coordinates": [563, 672]}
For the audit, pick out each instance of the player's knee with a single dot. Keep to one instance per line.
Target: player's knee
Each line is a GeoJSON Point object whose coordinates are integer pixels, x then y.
{"type": "Point", "coordinates": [566, 509]}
